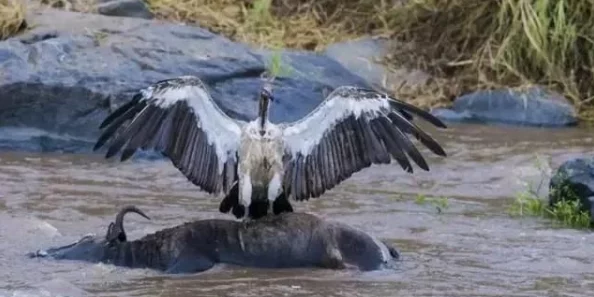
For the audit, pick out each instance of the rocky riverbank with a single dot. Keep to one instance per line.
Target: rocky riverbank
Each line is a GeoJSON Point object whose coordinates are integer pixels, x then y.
{"type": "Point", "coordinates": [63, 75]}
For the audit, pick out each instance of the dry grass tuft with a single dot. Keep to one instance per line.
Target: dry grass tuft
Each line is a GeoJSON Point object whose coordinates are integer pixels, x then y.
{"type": "Point", "coordinates": [12, 18]}
{"type": "Point", "coordinates": [298, 24]}
{"type": "Point", "coordinates": [470, 44]}
{"type": "Point", "coordinates": [71, 5]}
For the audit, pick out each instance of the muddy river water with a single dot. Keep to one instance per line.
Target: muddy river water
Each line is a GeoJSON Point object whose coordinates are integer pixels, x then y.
{"type": "Point", "coordinates": [472, 248]}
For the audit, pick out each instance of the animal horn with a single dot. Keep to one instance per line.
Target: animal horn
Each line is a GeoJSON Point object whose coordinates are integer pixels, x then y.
{"type": "Point", "coordinates": [116, 230]}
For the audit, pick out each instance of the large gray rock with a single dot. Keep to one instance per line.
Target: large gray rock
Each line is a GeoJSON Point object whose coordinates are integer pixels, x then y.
{"type": "Point", "coordinates": [71, 69]}
{"type": "Point", "coordinates": [574, 180]}
{"type": "Point", "coordinates": [533, 107]}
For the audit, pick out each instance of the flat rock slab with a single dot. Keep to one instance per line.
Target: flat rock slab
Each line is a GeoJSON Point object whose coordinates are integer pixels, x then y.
{"type": "Point", "coordinates": [533, 107]}
{"type": "Point", "coordinates": [66, 74]}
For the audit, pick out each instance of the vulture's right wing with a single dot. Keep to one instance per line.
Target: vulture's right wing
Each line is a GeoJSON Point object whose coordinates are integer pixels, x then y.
{"type": "Point", "coordinates": [350, 130]}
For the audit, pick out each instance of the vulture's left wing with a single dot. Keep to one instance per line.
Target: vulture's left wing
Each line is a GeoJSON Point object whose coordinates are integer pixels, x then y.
{"type": "Point", "coordinates": [350, 130]}
{"type": "Point", "coordinates": [178, 118]}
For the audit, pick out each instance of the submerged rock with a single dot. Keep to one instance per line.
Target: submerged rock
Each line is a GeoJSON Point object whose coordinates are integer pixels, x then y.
{"type": "Point", "coordinates": [574, 180]}
{"type": "Point", "coordinates": [65, 75]}
{"type": "Point", "coordinates": [534, 107]}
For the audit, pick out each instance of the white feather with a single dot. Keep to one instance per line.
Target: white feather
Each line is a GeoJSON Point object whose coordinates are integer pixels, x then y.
{"type": "Point", "coordinates": [221, 130]}
{"type": "Point", "coordinates": [275, 186]}
{"type": "Point", "coordinates": [245, 185]}
{"type": "Point", "coordinates": [301, 136]}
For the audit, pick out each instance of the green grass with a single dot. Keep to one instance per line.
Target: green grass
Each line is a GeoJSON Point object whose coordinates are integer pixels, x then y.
{"type": "Point", "coordinates": [566, 212]}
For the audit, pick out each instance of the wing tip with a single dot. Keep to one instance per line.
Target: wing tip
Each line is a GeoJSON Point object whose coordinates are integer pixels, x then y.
{"type": "Point", "coordinates": [110, 154]}
{"type": "Point", "coordinates": [441, 152]}
{"type": "Point", "coordinates": [436, 148]}
{"type": "Point", "coordinates": [97, 146]}
{"type": "Point", "coordinates": [426, 115]}
{"type": "Point", "coordinates": [438, 122]}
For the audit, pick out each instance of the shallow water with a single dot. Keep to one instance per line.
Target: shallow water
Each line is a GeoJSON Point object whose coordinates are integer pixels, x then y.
{"type": "Point", "coordinates": [471, 248]}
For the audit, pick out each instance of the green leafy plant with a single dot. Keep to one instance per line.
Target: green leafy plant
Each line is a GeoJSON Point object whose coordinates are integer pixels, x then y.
{"type": "Point", "coordinates": [566, 212]}
{"type": "Point", "coordinates": [275, 66]}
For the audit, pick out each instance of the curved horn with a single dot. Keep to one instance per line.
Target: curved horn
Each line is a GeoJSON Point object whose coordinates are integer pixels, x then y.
{"type": "Point", "coordinates": [116, 230]}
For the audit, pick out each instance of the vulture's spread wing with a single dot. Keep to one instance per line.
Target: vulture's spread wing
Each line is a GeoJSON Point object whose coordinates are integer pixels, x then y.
{"type": "Point", "coordinates": [178, 118]}
{"type": "Point", "coordinates": [350, 130]}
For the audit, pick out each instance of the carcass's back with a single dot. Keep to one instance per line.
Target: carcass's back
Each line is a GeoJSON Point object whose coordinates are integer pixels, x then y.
{"type": "Point", "coordinates": [284, 240]}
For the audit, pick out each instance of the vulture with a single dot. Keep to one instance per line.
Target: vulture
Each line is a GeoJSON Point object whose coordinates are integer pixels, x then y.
{"type": "Point", "coordinates": [257, 166]}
